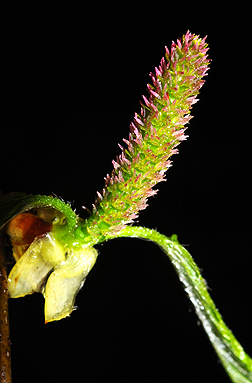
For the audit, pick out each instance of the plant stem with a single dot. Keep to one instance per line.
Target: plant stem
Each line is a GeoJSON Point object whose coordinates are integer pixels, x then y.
{"type": "Point", "coordinates": [236, 362]}
{"type": "Point", "coordinates": [5, 356]}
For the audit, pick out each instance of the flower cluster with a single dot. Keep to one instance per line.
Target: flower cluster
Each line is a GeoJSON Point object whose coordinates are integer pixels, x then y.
{"type": "Point", "coordinates": [154, 135]}
{"type": "Point", "coordinates": [46, 265]}
{"type": "Point", "coordinates": [52, 246]}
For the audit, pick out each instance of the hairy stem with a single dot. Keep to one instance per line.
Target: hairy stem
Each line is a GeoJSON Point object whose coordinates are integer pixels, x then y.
{"type": "Point", "coordinates": [236, 362]}
{"type": "Point", "coordinates": [5, 359]}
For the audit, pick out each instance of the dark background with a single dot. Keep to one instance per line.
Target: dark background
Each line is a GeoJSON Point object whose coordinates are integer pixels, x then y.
{"type": "Point", "coordinates": [71, 80]}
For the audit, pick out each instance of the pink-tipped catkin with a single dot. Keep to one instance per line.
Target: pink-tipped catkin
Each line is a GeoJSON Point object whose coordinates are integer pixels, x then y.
{"type": "Point", "coordinates": [154, 135]}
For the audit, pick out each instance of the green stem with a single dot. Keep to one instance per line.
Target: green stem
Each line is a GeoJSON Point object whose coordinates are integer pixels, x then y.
{"type": "Point", "coordinates": [236, 362]}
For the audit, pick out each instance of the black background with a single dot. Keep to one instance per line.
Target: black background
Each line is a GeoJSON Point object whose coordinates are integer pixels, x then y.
{"type": "Point", "coordinates": [71, 80]}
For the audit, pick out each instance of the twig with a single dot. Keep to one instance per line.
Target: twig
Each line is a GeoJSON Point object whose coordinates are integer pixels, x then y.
{"type": "Point", "coordinates": [5, 356]}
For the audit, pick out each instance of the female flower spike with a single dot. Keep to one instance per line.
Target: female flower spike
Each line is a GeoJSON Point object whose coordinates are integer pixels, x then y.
{"type": "Point", "coordinates": [53, 248]}
{"type": "Point", "coordinates": [154, 136]}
